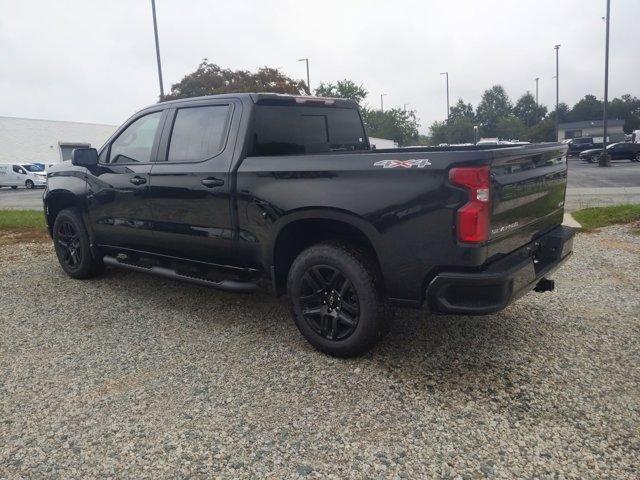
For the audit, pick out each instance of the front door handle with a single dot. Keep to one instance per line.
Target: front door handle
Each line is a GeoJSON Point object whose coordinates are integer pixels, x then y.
{"type": "Point", "coordinates": [211, 182]}
{"type": "Point", "coordinates": [137, 180]}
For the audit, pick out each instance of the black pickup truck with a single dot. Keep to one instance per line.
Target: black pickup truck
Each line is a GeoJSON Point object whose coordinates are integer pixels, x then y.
{"type": "Point", "coordinates": [221, 191]}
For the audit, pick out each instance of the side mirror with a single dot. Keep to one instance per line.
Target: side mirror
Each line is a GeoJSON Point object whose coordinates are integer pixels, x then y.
{"type": "Point", "coordinates": [85, 157]}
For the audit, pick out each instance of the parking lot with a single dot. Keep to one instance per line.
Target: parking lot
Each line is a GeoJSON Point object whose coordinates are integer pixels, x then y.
{"type": "Point", "coordinates": [622, 173]}
{"type": "Point", "coordinates": [21, 198]}
{"type": "Point", "coordinates": [129, 375]}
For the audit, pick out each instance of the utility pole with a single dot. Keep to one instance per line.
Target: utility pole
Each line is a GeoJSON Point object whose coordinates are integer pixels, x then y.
{"type": "Point", "coordinates": [155, 32]}
{"type": "Point", "coordinates": [557, 48]}
{"type": "Point", "coordinates": [604, 158]}
{"type": "Point", "coordinates": [382, 95]}
{"type": "Point", "coordinates": [537, 78]}
{"type": "Point", "coordinates": [447, 75]}
{"type": "Point", "coordinates": [475, 134]}
{"type": "Point", "coordinates": [306, 60]}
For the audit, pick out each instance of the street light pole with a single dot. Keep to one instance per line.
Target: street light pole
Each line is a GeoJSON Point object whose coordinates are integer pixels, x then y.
{"type": "Point", "coordinates": [155, 32]}
{"type": "Point", "coordinates": [448, 110]}
{"type": "Point", "coordinates": [557, 48]}
{"type": "Point", "coordinates": [306, 60]}
{"type": "Point", "coordinates": [604, 158]}
{"type": "Point", "coordinates": [475, 134]}
{"type": "Point", "coordinates": [382, 95]}
{"type": "Point", "coordinates": [537, 78]}
{"type": "Point", "coordinates": [405, 106]}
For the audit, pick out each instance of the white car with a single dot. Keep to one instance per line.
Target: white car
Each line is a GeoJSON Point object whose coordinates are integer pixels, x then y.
{"type": "Point", "coordinates": [27, 175]}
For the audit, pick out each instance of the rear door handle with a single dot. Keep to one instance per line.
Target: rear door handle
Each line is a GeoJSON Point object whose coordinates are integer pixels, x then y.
{"type": "Point", "coordinates": [211, 182]}
{"type": "Point", "coordinates": [138, 180]}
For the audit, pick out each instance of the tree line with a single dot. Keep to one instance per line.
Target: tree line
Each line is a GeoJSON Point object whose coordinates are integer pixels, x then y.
{"type": "Point", "coordinates": [496, 115]}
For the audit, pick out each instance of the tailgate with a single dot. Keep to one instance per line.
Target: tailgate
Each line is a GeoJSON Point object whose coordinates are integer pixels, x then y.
{"type": "Point", "coordinates": [528, 190]}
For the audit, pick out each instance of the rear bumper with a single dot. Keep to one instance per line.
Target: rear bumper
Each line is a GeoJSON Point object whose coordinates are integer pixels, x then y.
{"type": "Point", "coordinates": [501, 282]}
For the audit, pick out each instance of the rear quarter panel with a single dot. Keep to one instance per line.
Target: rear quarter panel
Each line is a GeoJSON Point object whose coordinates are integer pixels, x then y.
{"type": "Point", "coordinates": [407, 213]}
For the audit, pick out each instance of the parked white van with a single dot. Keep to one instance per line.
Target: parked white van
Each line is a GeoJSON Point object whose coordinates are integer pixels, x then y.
{"type": "Point", "coordinates": [27, 175]}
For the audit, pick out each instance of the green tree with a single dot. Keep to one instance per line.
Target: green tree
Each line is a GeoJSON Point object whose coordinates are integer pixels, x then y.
{"type": "Point", "coordinates": [545, 131]}
{"type": "Point", "coordinates": [510, 128]}
{"type": "Point", "coordinates": [527, 110]}
{"type": "Point", "coordinates": [396, 124]}
{"type": "Point", "coordinates": [563, 113]}
{"type": "Point", "coordinates": [459, 130]}
{"type": "Point", "coordinates": [588, 108]}
{"type": "Point", "coordinates": [210, 79]}
{"type": "Point", "coordinates": [438, 133]}
{"type": "Point", "coordinates": [461, 110]}
{"type": "Point", "coordinates": [627, 108]}
{"type": "Point", "coordinates": [493, 106]}
{"type": "Point", "coordinates": [342, 89]}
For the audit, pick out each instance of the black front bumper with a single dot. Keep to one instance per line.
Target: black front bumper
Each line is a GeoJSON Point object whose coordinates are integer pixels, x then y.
{"type": "Point", "coordinates": [503, 281]}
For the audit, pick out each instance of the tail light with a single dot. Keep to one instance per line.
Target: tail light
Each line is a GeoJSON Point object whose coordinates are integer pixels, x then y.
{"type": "Point", "coordinates": [473, 217]}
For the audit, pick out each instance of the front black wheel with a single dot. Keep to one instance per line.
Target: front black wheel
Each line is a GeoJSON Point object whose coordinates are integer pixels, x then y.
{"type": "Point", "coordinates": [637, 157]}
{"type": "Point", "coordinates": [72, 246]}
{"type": "Point", "coordinates": [29, 184]}
{"type": "Point", "coordinates": [336, 300]}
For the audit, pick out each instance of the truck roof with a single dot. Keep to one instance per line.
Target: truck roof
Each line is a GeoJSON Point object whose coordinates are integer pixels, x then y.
{"type": "Point", "coordinates": [266, 98]}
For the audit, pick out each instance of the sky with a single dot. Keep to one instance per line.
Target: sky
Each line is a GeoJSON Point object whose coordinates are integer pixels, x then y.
{"type": "Point", "coordinates": [94, 60]}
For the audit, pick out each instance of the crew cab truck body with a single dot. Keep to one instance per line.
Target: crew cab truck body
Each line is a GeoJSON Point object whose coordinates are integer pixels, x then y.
{"type": "Point", "coordinates": [223, 190]}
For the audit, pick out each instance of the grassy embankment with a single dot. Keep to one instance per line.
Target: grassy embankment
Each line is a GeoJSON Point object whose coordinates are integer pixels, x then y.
{"type": "Point", "coordinates": [596, 217]}
{"type": "Point", "coordinates": [22, 226]}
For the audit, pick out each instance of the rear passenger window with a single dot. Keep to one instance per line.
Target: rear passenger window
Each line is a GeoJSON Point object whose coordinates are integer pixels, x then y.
{"type": "Point", "coordinates": [289, 130]}
{"type": "Point", "coordinates": [198, 133]}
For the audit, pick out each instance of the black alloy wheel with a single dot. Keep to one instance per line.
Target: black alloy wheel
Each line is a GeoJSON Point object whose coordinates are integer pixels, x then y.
{"type": "Point", "coordinates": [73, 247]}
{"type": "Point", "coordinates": [337, 299]}
{"type": "Point", "coordinates": [69, 245]}
{"type": "Point", "coordinates": [29, 184]}
{"type": "Point", "coordinates": [329, 302]}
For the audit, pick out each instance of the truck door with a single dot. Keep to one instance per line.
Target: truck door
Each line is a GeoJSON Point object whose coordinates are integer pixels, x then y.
{"type": "Point", "coordinates": [118, 188]}
{"type": "Point", "coordinates": [190, 203]}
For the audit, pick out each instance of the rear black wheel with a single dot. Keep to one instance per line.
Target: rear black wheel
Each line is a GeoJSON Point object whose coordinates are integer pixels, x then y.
{"type": "Point", "coordinates": [336, 300]}
{"type": "Point", "coordinates": [71, 242]}
{"type": "Point", "coordinates": [13, 187]}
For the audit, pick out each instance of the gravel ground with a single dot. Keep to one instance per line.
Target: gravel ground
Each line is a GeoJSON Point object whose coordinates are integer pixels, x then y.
{"type": "Point", "coordinates": [134, 376]}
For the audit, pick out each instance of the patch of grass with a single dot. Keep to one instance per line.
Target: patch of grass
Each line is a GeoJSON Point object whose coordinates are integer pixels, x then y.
{"type": "Point", "coordinates": [21, 220]}
{"type": "Point", "coordinates": [596, 217]}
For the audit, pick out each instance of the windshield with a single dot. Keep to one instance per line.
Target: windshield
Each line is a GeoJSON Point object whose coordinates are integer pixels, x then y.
{"type": "Point", "coordinates": [33, 168]}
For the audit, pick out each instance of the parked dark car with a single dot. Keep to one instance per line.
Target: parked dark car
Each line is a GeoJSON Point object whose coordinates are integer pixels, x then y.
{"type": "Point", "coordinates": [617, 151]}
{"type": "Point", "coordinates": [577, 145]}
{"type": "Point", "coordinates": [221, 191]}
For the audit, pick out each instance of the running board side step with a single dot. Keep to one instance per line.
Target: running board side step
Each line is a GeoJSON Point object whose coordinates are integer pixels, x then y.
{"type": "Point", "coordinates": [226, 285]}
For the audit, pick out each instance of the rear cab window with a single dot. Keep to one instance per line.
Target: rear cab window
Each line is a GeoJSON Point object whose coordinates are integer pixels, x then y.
{"type": "Point", "coordinates": [296, 130]}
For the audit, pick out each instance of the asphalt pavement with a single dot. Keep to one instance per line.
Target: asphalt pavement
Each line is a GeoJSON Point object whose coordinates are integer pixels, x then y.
{"type": "Point", "coordinates": [21, 198]}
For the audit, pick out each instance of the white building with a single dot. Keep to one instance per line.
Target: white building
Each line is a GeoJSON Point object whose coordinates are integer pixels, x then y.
{"type": "Point", "coordinates": [380, 143]}
{"type": "Point", "coordinates": [591, 128]}
{"type": "Point", "coordinates": [26, 140]}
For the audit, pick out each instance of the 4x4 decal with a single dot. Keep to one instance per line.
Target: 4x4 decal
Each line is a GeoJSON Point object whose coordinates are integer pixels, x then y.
{"type": "Point", "coordinates": [403, 163]}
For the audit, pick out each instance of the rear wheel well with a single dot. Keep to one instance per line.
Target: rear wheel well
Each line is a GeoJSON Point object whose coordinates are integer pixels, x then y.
{"type": "Point", "coordinates": [56, 203]}
{"type": "Point", "coordinates": [301, 234]}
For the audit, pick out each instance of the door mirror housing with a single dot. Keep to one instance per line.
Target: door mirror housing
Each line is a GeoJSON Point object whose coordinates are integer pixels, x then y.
{"type": "Point", "coordinates": [85, 157]}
